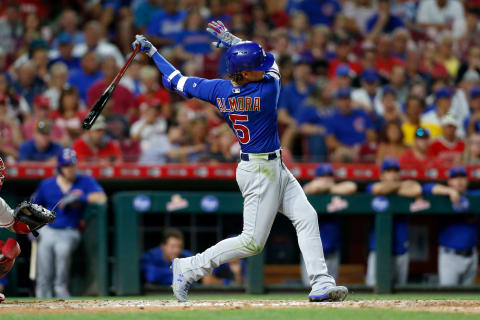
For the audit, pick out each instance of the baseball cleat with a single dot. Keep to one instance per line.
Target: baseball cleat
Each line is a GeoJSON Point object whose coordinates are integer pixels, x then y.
{"type": "Point", "coordinates": [2, 297]}
{"type": "Point", "coordinates": [180, 285]}
{"type": "Point", "coordinates": [329, 294]}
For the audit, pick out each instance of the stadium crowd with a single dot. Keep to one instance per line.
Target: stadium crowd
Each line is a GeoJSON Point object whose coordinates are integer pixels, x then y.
{"type": "Point", "coordinates": [359, 78]}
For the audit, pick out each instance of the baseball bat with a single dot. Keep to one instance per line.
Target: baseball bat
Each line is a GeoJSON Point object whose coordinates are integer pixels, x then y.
{"type": "Point", "coordinates": [33, 261]}
{"type": "Point", "coordinates": [107, 94]}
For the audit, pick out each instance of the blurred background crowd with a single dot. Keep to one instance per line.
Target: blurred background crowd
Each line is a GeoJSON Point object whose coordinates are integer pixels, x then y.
{"type": "Point", "coordinates": [359, 78]}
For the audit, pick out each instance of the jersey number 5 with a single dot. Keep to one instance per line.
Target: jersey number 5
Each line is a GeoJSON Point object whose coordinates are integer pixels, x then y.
{"type": "Point", "coordinates": [242, 132]}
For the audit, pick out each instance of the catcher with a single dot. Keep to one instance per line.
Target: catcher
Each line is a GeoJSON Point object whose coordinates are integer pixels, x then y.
{"type": "Point", "coordinates": [26, 218]}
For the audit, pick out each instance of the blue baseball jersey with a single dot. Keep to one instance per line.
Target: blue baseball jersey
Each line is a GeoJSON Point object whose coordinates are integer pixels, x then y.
{"type": "Point", "coordinates": [400, 233]}
{"type": "Point", "coordinates": [330, 234]}
{"type": "Point", "coordinates": [49, 194]}
{"type": "Point", "coordinates": [349, 129]}
{"type": "Point", "coordinates": [155, 269]}
{"type": "Point", "coordinates": [459, 233]}
{"type": "Point", "coordinates": [250, 110]}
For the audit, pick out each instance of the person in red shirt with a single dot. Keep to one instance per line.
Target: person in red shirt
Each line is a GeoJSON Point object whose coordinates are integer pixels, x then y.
{"type": "Point", "coordinates": [154, 94]}
{"type": "Point", "coordinates": [123, 99]}
{"type": "Point", "coordinates": [96, 147]}
{"type": "Point", "coordinates": [344, 56]}
{"type": "Point", "coordinates": [447, 149]}
{"type": "Point", "coordinates": [416, 157]}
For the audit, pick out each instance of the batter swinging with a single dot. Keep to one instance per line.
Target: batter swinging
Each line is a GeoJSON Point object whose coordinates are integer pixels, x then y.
{"type": "Point", "coordinates": [248, 102]}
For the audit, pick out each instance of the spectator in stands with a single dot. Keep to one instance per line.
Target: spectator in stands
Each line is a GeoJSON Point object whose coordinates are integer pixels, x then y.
{"type": "Point", "coordinates": [458, 236]}
{"type": "Point", "coordinates": [472, 63]}
{"type": "Point", "coordinates": [223, 146]}
{"type": "Point", "coordinates": [292, 96]}
{"type": "Point", "coordinates": [324, 183]}
{"type": "Point", "coordinates": [391, 145]}
{"type": "Point", "coordinates": [390, 183]}
{"type": "Point", "coordinates": [155, 263]}
{"type": "Point", "coordinates": [65, 52]}
{"type": "Point", "coordinates": [358, 13]}
{"type": "Point", "coordinates": [95, 146]}
{"type": "Point", "coordinates": [41, 148]}
{"type": "Point", "coordinates": [193, 41]}
{"type": "Point", "coordinates": [151, 132]}
{"type": "Point", "coordinates": [417, 156]}
{"type": "Point", "coordinates": [430, 67]}
{"type": "Point", "coordinates": [384, 21]}
{"type": "Point", "coordinates": [68, 24]}
{"type": "Point", "coordinates": [447, 57]}
{"type": "Point", "coordinates": [41, 112]}
{"type": "Point", "coordinates": [144, 12]}
{"type": "Point", "coordinates": [347, 128]}
{"type": "Point", "coordinates": [413, 111]}
{"type": "Point", "coordinates": [387, 106]}
{"type": "Point", "coordinates": [58, 240]}
{"type": "Point", "coordinates": [69, 117]}
{"type": "Point", "coordinates": [319, 12]}
{"type": "Point", "coordinates": [154, 93]}
{"type": "Point", "coordinates": [56, 83]}
{"type": "Point", "coordinates": [440, 16]}
{"type": "Point", "coordinates": [472, 123]}
{"type": "Point", "coordinates": [166, 24]}
{"type": "Point", "coordinates": [10, 134]}
{"type": "Point", "coordinates": [448, 148]}
{"type": "Point", "coordinates": [366, 96]}
{"type": "Point", "coordinates": [431, 118]}
{"type": "Point", "coordinates": [84, 78]}
{"type": "Point", "coordinates": [28, 85]}
{"type": "Point", "coordinates": [472, 150]}
{"type": "Point", "coordinates": [343, 78]}
{"type": "Point", "coordinates": [398, 81]}
{"type": "Point", "coordinates": [123, 100]}
{"type": "Point", "coordinates": [343, 55]}
{"type": "Point", "coordinates": [95, 42]}
{"type": "Point", "coordinates": [11, 28]}
{"type": "Point", "coordinates": [298, 32]}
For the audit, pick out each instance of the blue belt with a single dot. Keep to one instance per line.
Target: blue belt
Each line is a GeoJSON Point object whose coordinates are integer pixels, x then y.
{"type": "Point", "coordinates": [268, 156]}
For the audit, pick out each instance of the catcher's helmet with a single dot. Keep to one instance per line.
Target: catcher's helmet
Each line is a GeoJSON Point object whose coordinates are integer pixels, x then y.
{"type": "Point", "coordinates": [67, 157]}
{"type": "Point", "coordinates": [248, 56]}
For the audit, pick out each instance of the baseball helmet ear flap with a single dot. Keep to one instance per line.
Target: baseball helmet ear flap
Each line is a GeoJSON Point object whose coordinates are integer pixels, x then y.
{"type": "Point", "coordinates": [248, 56]}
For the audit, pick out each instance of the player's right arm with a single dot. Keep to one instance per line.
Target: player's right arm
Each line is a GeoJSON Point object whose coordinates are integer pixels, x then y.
{"type": "Point", "coordinates": [441, 190]}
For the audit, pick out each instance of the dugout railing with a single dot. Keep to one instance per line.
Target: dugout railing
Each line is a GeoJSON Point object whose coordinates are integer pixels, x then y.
{"type": "Point", "coordinates": [128, 206]}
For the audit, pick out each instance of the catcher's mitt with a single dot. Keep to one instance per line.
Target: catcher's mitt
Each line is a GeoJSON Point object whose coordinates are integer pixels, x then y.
{"type": "Point", "coordinates": [33, 215]}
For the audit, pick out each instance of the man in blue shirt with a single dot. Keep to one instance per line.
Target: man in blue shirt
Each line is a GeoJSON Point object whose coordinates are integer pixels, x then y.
{"type": "Point", "coordinates": [155, 263]}
{"type": "Point", "coordinates": [383, 21]}
{"type": "Point", "coordinates": [319, 11]}
{"type": "Point", "coordinates": [458, 236]}
{"type": "Point", "coordinates": [347, 128]}
{"type": "Point", "coordinates": [65, 49]}
{"type": "Point", "coordinates": [84, 78]}
{"type": "Point", "coordinates": [41, 148]}
{"type": "Point", "coordinates": [68, 193]}
{"type": "Point", "coordinates": [390, 183]}
{"type": "Point", "coordinates": [324, 183]}
{"type": "Point", "coordinates": [248, 102]}
{"type": "Point", "coordinates": [166, 24]}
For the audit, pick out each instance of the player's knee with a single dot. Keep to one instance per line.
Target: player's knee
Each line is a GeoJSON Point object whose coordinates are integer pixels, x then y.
{"type": "Point", "coordinates": [251, 244]}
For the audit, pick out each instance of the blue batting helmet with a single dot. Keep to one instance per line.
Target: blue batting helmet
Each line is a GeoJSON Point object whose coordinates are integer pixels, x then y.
{"type": "Point", "coordinates": [248, 56]}
{"type": "Point", "coordinates": [67, 157]}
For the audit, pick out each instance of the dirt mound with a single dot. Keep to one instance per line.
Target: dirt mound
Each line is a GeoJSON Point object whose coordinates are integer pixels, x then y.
{"type": "Point", "coordinates": [101, 306]}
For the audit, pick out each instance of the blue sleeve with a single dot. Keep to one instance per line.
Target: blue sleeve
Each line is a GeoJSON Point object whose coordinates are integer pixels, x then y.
{"type": "Point", "coordinates": [371, 23]}
{"type": "Point", "coordinates": [38, 196]}
{"type": "Point", "coordinates": [330, 125]}
{"type": "Point", "coordinates": [427, 189]}
{"type": "Point", "coordinates": [153, 28]}
{"type": "Point", "coordinates": [24, 152]}
{"type": "Point", "coordinates": [156, 274]}
{"type": "Point", "coordinates": [203, 89]}
{"type": "Point", "coordinates": [369, 188]}
{"type": "Point", "coordinates": [368, 122]}
{"type": "Point", "coordinates": [473, 192]}
{"type": "Point", "coordinates": [92, 185]}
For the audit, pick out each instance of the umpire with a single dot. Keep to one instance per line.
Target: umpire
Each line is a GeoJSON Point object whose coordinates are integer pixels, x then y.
{"type": "Point", "coordinates": [57, 241]}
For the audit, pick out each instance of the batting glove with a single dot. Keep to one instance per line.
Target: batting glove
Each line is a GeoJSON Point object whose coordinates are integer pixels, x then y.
{"type": "Point", "coordinates": [145, 45]}
{"type": "Point", "coordinates": [225, 38]}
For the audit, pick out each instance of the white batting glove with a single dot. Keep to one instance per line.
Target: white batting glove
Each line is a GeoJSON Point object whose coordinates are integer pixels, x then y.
{"type": "Point", "coordinates": [225, 38]}
{"type": "Point", "coordinates": [145, 45]}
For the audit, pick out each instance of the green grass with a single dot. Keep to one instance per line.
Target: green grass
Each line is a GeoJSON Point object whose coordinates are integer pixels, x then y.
{"type": "Point", "coordinates": [287, 314]}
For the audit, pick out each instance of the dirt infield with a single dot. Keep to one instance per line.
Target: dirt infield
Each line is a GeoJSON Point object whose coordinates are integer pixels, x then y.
{"type": "Point", "coordinates": [107, 306]}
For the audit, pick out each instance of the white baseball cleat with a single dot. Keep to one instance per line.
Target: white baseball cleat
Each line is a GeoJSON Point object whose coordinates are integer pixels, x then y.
{"type": "Point", "coordinates": [329, 294]}
{"type": "Point", "coordinates": [2, 297]}
{"type": "Point", "coordinates": [180, 284]}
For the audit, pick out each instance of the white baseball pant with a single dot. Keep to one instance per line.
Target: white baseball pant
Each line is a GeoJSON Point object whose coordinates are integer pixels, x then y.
{"type": "Point", "coordinates": [267, 187]}
{"type": "Point", "coordinates": [454, 269]}
{"type": "Point", "coordinates": [399, 266]}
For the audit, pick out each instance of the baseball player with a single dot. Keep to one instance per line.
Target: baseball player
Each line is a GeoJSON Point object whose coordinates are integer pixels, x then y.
{"type": "Point", "coordinates": [14, 221]}
{"type": "Point", "coordinates": [69, 192]}
{"type": "Point", "coordinates": [457, 251]}
{"type": "Point", "coordinates": [390, 183]}
{"type": "Point", "coordinates": [248, 102]}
